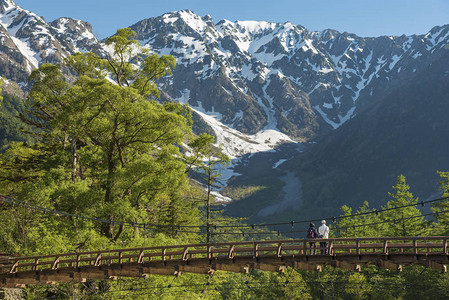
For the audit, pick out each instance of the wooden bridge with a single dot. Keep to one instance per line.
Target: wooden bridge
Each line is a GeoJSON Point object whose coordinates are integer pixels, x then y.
{"type": "Point", "coordinates": [347, 253]}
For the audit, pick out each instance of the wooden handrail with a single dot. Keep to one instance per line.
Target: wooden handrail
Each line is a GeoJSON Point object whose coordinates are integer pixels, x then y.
{"type": "Point", "coordinates": [216, 245]}
{"type": "Point", "coordinates": [279, 248]}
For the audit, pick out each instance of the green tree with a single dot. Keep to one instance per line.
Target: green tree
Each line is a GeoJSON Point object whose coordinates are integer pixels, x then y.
{"type": "Point", "coordinates": [358, 225]}
{"type": "Point", "coordinates": [105, 148]}
{"type": "Point", "coordinates": [407, 221]}
{"type": "Point", "coordinates": [358, 286]}
{"type": "Point", "coordinates": [207, 160]}
{"type": "Point", "coordinates": [441, 208]}
{"type": "Point", "coordinates": [11, 127]}
{"type": "Point", "coordinates": [2, 81]}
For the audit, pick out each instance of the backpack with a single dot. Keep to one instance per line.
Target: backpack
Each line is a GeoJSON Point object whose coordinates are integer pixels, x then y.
{"type": "Point", "coordinates": [311, 233]}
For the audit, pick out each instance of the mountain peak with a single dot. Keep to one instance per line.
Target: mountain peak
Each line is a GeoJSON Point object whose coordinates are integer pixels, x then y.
{"type": "Point", "coordinates": [72, 24]}
{"type": "Point", "coordinates": [6, 5]}
{"type": "Point", "coordinates": [193, 20]}
{"type": "Point", "coordinates": [256, 26]}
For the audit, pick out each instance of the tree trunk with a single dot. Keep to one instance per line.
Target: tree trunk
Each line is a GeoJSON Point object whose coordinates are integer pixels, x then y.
{"type": "Point", "coordinates": [111, 169]}
{"type": "Point", "coordinates": [209, 185]}
{"type": "Point", "coordinates": [75, 173]}
{"type": "Point", "coordinates": [119, 232]}
{"type": "Point", "coordinates": [108, 198]}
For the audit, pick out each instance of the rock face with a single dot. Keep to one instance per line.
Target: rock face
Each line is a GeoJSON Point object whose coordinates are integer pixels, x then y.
{"type": "Point", "coordinates": [27, 40]}
{"type": "Point", "coordinates": [404, 132]}
{"type": "Point", "coordinates": [377, 106]}
{"type": "Point", "coordinates": [252, 76]}
{"type": "Point", "coordinates": [261, 75]}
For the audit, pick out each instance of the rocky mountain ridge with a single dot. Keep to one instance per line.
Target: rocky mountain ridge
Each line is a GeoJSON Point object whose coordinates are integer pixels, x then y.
{"type": "Point", "coordinates": [261, 83]}
{"type": "Point", "coordinates": [282, 76]}
{"type": "Point", "coordinates": [27, 40]}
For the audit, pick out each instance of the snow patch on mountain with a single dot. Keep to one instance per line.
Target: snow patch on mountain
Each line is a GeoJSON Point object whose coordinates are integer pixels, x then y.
{"type": "Point", "coordinates": [255, 75]}
{"type": "Point", "coordinates": [237, 143]}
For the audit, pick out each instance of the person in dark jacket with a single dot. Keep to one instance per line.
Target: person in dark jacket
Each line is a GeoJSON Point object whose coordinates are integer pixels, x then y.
{"type": "Point", "coordinates": [312, 233]}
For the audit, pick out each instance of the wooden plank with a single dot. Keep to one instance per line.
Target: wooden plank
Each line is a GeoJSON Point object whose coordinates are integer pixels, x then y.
{"type": "Point", "coordinates": [292, 247]}
{"type": "Point", "coordinates": [98, 260]}
{"type": "Point", "coordinates": [36, 264]}
{"type": "Point", "coordinates": [196, 269]}
{"type": "Point", "coordinates": [140, 258]}
{"type": "Point", "coordinates": [244, 250]}
{"type": "Point", "coordinates": [185, 254]}
{"type": "Point", "coordinates": [209, 253]}
{"type": "Point", "coordinates": [279, 250]}
{"type": "Point", "coordinates": [331, 248]}
{"type": "Point", "coordinates": [268, 267]}
{"type": "Point", "coordinates": [14, 267]}
{"type": "Point", "coordinates": [307, 266]}
{"type": "Point", "coordinates": [231, 252]}
{"type": "Point", "coordinates": [256, 250]}
{"type": "Point", "coordinates": [236, 268]}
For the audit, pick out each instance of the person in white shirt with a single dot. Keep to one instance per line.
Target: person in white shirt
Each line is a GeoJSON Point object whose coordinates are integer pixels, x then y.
{"type": "Point", "coordinates": [324, 233]}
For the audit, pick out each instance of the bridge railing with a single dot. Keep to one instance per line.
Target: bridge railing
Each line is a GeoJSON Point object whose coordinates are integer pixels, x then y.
{"type": "Point", "coordinates": [229, 250]}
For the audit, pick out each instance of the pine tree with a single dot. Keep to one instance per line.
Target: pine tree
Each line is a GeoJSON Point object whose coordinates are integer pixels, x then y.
{"type": "Point", "coordinates": [208, 160]}
{"type": "Point", "coordinates": [406, 221]}
{"type": "Point", "coordinates": [441, 208]}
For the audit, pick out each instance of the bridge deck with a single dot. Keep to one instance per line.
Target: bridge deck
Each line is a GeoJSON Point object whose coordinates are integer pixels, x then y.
{"type": "Point", "coordinates": [348, 253]}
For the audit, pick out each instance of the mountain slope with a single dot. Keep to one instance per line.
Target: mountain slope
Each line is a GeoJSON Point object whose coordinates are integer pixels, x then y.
{"type": "Point", "coordinates": [27, 40]}
{"type": "Point", "coordinates": [259, 84]}
{"type": "Point", "coordinates": [253, 76]}
{"type": "Point", "coordinates": [260, 75]}
{"type": "Point", "coordinates": [405, 132]}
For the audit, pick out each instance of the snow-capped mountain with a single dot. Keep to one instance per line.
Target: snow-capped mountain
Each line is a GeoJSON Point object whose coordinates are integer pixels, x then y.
{"type": "Point", "coordinates": [256, 83]}
{"type": "Point", "coordinates": [27, 40]}
{"type": "Point", "coordinates": [260, 75]}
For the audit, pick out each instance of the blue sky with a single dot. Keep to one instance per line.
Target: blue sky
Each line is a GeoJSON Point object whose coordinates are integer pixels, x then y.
{"type": "Point", "coordinates": [362, 17]}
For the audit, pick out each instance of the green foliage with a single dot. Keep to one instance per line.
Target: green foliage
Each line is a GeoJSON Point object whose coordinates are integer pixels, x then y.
{"type": "Point", "coordinates": [241, 192]}
{"type": "Point", "coordinates": [2, 81]}
{"type": "Point", "coordinates": [127, 52]}
{"type": "Point", "coordinates": [109, 150]}
{"type": "Point", "coordinates": [441, 209]}
{"type": "Point", "coordinates": [261, 285]}
{"type": "Point", "coordinates": [415, 282]}
{"type": "Point", "coordinates": [391, 220]}
{"type": "Point", "coordinates": [410, 222]}
{"type": "Point", "coordinates": [11, 127]}
{"type": "Point", "coordinates": [345, 226]}
{"type": "Point", "coordinates": [357, 286]}
{"type": "Point", "coordinates": [207, 160]}
{"type": "Point", "coordinates": [104, 150]}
